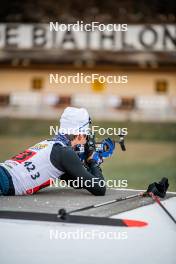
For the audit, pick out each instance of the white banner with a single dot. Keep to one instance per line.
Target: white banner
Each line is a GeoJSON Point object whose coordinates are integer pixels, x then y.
{"type": "Point", "coordinates": [135, 38]}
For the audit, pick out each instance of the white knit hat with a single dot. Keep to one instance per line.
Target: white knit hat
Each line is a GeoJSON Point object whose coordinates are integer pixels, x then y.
{"type": "Point", "coordinates": [74, 121]}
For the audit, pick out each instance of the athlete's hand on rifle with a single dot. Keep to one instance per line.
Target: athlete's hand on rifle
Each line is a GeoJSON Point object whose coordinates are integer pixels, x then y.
{"type": "Point", "coordinates": [108, 147]}
{"type": "Point", "coordinates": [106, 151]}
{"type": "Point", "coordinates": [96, 150]}
{"type": "Point", "coordinates": [97, 157]}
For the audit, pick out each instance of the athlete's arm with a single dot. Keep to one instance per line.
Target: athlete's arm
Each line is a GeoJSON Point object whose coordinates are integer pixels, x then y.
{"type": "Point", "coordinates": [65, 159]}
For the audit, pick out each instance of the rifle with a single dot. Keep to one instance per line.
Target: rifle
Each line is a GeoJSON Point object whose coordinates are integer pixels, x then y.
{"type": "Point", "coordinates": [93, 145]}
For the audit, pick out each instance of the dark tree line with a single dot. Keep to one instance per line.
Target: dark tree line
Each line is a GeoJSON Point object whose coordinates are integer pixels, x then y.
{"type": "Point", "coordinates": [116, 11]}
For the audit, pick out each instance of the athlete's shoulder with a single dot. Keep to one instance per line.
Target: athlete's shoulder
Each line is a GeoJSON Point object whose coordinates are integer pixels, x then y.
{"type": "Point", "coordinates": [67, 150]}
{"type": "Point", "coordinates": [63, 156]}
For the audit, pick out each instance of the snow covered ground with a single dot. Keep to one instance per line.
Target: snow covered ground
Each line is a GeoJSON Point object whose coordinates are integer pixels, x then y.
{"type": "Point", "coordinates": [39, 242]}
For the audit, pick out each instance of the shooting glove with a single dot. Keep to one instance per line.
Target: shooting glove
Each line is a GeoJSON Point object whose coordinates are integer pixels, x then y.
{"type": "Point", "coordinates": [108, 147]}
{"type": "Point", "coordinates": [159, 188]}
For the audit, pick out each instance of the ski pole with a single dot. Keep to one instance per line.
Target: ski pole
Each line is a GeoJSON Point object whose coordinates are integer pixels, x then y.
{"type": "Point", "coordinates": [156, 199]}
{"type": "Point", "coordinates": [63, 211]}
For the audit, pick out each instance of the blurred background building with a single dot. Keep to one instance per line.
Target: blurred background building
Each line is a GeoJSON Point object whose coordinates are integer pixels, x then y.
{"type": "Point", "coordinates": [146, 53]}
